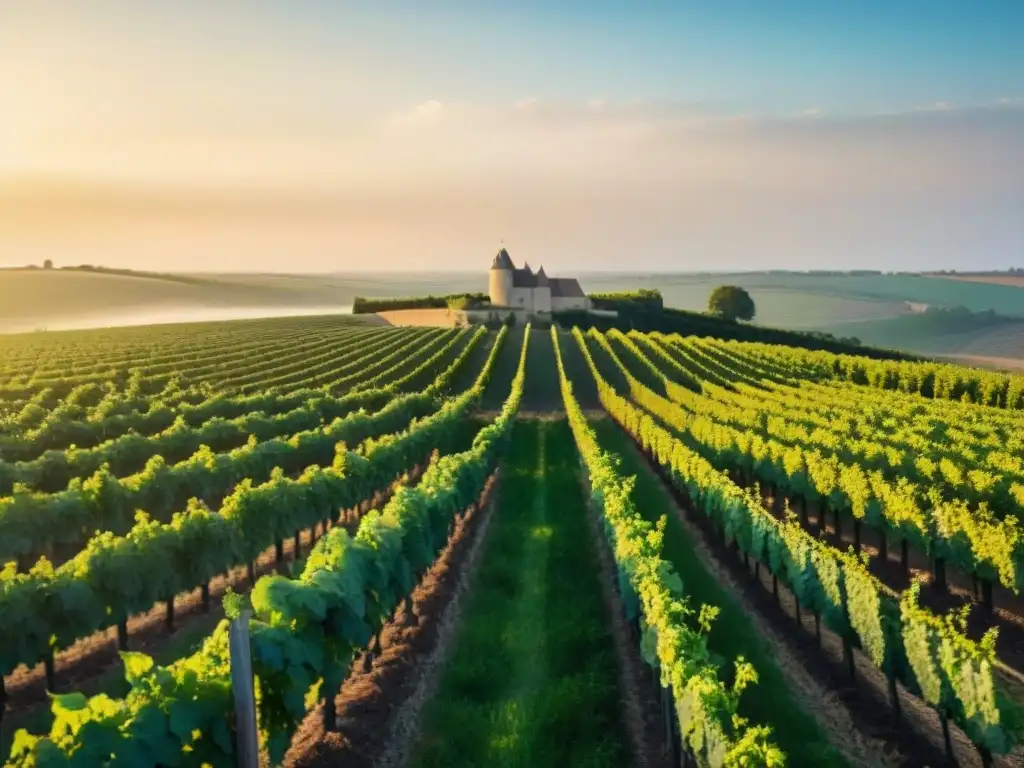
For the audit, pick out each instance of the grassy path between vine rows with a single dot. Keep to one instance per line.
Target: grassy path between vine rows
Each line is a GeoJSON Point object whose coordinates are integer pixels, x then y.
{"type": "Point", "coordinates": [505, 365]}
{"type": "Point", "coordinates": [735, 632]}
{"type": "Point", "coordinates": [532, 678]}
{"type": "Point", "coordinates": [466, 374]}
{"type": "Point", "coordinates": [542, 393]}
{"type": "Point", "coordinates": [576, 370]}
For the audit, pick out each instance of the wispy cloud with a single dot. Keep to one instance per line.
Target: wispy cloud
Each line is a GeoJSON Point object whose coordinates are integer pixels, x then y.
{"type": "Point", "coordinates": [425, 115]}
{"type": "Point", "coordinates": [937, 106]}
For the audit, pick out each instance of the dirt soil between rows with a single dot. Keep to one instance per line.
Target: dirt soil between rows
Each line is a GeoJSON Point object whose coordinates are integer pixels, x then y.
{"type": "Point", "coordinates": [87, 665]}
{"type": "Point", "coordinates": [638, 683]}
{"type": "Point", "coordinates": [857, 713]}
{"type": "Point", "coordinates": [378, 710]}
{"type": "Point", "coordinates": [1008, 613]}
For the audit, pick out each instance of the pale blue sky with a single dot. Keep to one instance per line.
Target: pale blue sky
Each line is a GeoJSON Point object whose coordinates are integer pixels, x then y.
{"type": "Point", "coordinates": [319, 134]}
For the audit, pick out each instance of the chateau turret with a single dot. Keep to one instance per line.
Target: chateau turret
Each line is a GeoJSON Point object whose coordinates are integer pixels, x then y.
{"type": "Point", "coordinates": [535, 292]}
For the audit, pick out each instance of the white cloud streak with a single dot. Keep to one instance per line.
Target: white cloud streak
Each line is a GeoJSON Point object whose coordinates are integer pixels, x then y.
{"type": "Point", "coordinates": [426, 115]}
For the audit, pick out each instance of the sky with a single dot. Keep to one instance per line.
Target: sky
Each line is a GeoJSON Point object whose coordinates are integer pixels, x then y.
{"type": "Point", "coordinates": [322, 135]}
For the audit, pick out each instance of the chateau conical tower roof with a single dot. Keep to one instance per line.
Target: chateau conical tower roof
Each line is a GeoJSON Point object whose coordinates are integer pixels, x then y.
{"type": "Point", "coordinates": [542, 278]}
{"type": "Point", "coordinates": [502, 261]}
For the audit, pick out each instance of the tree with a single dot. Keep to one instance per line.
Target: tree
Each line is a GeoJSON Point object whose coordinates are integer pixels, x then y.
{"type": "Point", "coordinates": [732, 303]}
{"type": "Point", "coordinates": [48, 264]}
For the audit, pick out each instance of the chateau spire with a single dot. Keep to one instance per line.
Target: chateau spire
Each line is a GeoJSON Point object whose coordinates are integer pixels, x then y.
{"type": "Point", "coordinates": [502, 261]}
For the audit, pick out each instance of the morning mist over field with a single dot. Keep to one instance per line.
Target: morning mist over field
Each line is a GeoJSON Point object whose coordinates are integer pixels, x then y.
{"type": "Point", "coordinates": [317, 137]}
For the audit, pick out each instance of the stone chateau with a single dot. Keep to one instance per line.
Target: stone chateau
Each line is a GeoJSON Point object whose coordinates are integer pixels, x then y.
{"type": "Point", "coordinates": [532, 291]}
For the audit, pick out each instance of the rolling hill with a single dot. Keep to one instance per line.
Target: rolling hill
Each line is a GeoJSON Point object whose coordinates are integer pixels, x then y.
{"type": "Point", "coordinates": [875, 308]}
{"type": "Point", "coordinates": [34, 299]}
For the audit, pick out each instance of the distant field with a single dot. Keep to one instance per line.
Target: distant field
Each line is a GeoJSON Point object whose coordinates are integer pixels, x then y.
{"type": "Point", "coordinates": [883, 291]}
{"type": "Point", "coordinates": [936, 335]}
{"type": "Point", "coordinates": [977, 361]}
{"type": "Point", "coordinates": [55, 299]}
{"type": "Point", "coordinates": [346, 286]}
{"type": "Point", "coordinates": [872, 307]}
{"type": "Point", "coordinates": [1014, 280]}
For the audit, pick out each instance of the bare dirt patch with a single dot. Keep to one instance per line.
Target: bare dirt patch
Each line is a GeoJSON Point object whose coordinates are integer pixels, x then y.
{"type": "Point", "coordinates": [438, 318]}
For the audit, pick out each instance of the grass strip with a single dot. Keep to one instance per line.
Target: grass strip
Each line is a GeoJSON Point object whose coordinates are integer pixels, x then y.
{"type": "Point", "coordinates": [531, 680]}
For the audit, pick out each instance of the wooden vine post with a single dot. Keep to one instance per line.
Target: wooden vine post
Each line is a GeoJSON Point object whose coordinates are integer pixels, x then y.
{"type": "Point", "coordinates": [248, 746]}
{"type": "Point", "coordinates": [940, 575]}
{"type": "Point", "coordinates": [49, 670]}
{"type": "Point", "coordinates": [894, 695]}
{"type": "Point", "coordinates": [122, 635]}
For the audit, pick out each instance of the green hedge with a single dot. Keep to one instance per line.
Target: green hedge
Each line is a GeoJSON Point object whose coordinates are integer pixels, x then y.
{"type": "Point", "coordinates": [643, 298]}
{"type": "Point", "coordinates": [363, 306]}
